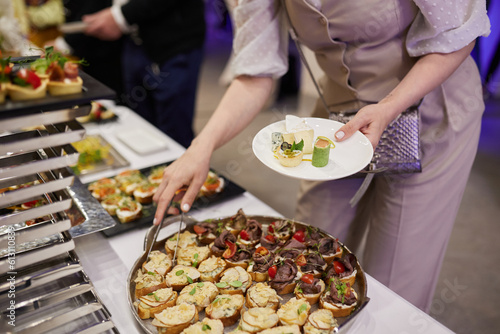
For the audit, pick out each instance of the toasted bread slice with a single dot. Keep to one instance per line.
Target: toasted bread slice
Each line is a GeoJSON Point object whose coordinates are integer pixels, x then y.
{"type": "Point", "coordinates": [211, 269]}
{"type": "Point", "coordinates": [155, 302]}
{"type": "Point", "coordinates": [186, 239]}
{"type": "Point", "coordinates": [192, 255]}
{"type": "Point", "coordinates": [226, 308]}
{"type": "Point", "coordinates": [320, 321]}
{"type": "Point", "coordinates": [128, 210]}
{"type": "Point", "coordinates": [173, 320]}
{"type": "Point", "coordinates": [257, 319]}
{"type": "Point", "coordinates": [311, 298]}
{"type": "Point", "coordinates": [159, 263]}
{"type": "Point", "coordinates": [294, 312]}
{"type": "Point", "coordinates": [262, 295]}
{"type": "Point", "coordinates": [148, 282]}
{"type": "Point", "coordinates": [294, 329]}
{"type": "Point", "coordinates": [234, 280]}
{"type": "Point", "coordinates": [338, 310]}
{"type": "Point", "coordinates": [206, 326]}
{"type": "Point", "coordinates": [199, 294]}
{"type": "Point", "coordinates": [180, 276]}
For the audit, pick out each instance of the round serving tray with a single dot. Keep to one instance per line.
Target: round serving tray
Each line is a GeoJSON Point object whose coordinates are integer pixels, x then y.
{"type": "Point", "coordinates": [170, 226]}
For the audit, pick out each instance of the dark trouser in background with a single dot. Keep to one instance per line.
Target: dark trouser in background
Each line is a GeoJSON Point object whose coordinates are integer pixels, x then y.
{"type": "Point", "coordinates": [164, 94]}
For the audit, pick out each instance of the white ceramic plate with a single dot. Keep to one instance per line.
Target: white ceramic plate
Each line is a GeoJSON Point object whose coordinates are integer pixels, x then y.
{"type": "Point", "coordinates": [347, 158]}
{"type": "Point", "coordinates": [142, 142]}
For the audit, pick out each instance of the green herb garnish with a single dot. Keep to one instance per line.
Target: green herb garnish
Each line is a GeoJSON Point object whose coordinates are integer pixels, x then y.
{"type": "Point", "coordinates": [221, 284]}
{"type": "Point", "coordinates": [236, 284]}
{"type": "Point", "coordinates": [200, 285]}
{"type": "Point", "coordinates": [151, 273]}
{"type": "Point", "coordinates": [298, 146]}
{"type": "Point", "coordinates": [205, 327]}
{"type": "Point", "coordinates": [302, 308]}
{"type": "Point", "coordinates": [179, 272]}
{"type": "Point", "coordinates": [190, 280]}
{"type": "Point", "coordinates": [156, 297]}
{"type": "Point", "coordinates": [192, 292]}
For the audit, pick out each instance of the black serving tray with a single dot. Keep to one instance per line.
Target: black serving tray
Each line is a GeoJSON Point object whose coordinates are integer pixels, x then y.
{"type": "Point", "coordinates": [92, 90]}
{"type": "Point", "coordinates": [230, 190]}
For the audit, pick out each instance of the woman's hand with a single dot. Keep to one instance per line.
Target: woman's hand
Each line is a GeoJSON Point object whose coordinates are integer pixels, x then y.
{"type": "Point", "coordinates": [370, 120]}
{"type": "Point", "coordinates": [190, 170]}
{"type": "Point", "coordinates": [244, 98]}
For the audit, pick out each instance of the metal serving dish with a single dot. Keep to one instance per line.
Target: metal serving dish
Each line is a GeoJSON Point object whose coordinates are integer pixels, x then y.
{"type": "Point", "coordinates": [170, 226]}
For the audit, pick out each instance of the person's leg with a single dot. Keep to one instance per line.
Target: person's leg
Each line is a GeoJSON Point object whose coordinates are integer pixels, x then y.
{"type": "Point", "coordinates": [175, 84]}
{"type": "Point", "coordinates": [136, 66]}
{"type": "Point", "coordinates": [412, 216]}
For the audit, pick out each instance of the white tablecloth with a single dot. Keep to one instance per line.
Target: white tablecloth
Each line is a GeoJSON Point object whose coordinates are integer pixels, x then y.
{"type": "Point", "coordinates": [108, 261]}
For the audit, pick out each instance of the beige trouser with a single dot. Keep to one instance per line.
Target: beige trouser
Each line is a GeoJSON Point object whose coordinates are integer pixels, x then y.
{"type": "Point", "coordinates": [409, 217]}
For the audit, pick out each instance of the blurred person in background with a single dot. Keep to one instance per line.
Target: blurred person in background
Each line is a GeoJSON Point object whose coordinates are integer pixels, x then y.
{"type": "Point", "coordinates": [103, 58]}
{"type": "Point", "coordinates": [161, 58]}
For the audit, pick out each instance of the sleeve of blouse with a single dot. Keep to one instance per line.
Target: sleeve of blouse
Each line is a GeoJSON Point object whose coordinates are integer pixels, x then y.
{"type": "Point", "coordinates": [260, 42]}
{"type": "Point", "coordinates": [444, 26]}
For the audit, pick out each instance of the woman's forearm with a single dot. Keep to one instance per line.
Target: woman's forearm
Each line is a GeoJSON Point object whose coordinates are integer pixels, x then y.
{"type": "Point", "coordinates": [243, 100]}
{"type": "Point", "coordinates": [429, 72]}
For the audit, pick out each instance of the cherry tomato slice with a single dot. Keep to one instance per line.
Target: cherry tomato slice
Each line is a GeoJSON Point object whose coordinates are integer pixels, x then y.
{"type": "Point", "coordinates": [300, 236]}
{"type": "Point", "coordinates": [272, 271]}
{"type": "Point", "coordinates": [262, 250]}
{"type": "Point", "coordinates": [338, 267]}
{"type": "Point", "coordinates": [270, 238]}
{"type": "Point", "coordinates": [199, 229]}
{"type": "Point", "coordinates": [30, 204]}
{"type": "Point", "coordinates": [34, 80]}
{"type": "Point", "coordinates": [301, 260]}
{"type": "Point", "coordinates": [244, 235]}
{"type": "Point", "coordinates": [307, 278]}
{"type": "Point", "coordinates": [271, 228]}
{"type": "Point", "coordinates": [230, 251]}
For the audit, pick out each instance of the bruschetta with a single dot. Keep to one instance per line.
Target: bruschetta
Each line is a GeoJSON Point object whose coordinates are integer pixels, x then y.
{"type": "Point", "coordinates": [155, 302]}
{"type": "Point", "coordinates": [257, 319]}
{"type": "Point", "coordinates": [148, 282]}
{"type": "Point", "coordinates": [158, 262]}
{"type": "Point", "coordinates": [262, 295]}
{"type": "Point", "coordinates": [234, 280]}
{"type": "Point", "coordinates": [211, 269]}
{"type": "Point", "coordinates": [294, 312]}
{"type": "Point", "coordinates": [128, 210]}
{"type": "Point", "coordinates": [173, 320]}
{"type": "Point", "coordinates": [199, 294]}
{"type": "Point", "coordinates": [226, 308]}
{"type": "Point", "coordinates": [309, 288]}
{"type": "Point", "coordinates": [181, 276]}
{"type": "Point", "coordinates": [206, 326]}
{"type": "Point", "coordinates": [320, 321]}
{"type": "Point", "coordinates": [340, 298]}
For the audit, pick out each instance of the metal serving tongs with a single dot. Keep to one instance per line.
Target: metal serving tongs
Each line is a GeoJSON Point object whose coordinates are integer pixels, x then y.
{"type": "Point", "coordinates": [155, 229]}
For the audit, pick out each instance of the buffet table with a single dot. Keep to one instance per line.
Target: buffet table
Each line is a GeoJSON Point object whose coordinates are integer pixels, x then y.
{"type": "Point", "coordinates": [107, 261]}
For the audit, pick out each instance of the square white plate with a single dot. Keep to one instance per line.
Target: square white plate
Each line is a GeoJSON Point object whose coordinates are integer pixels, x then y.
{"type": "Point", "coordinates": [143, 142]}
